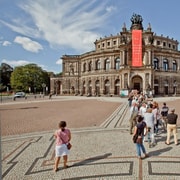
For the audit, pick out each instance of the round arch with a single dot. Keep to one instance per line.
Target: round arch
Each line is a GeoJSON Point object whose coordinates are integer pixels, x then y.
{"type": "Point", "coordinates": [106, 87]}
{"type": "Point", "coordinates": [83, 88]}
{"type": "Point", "coordinates": [117, 87]}
{"type": "Point", "coordinates": [89, 88]}
{"type": "Point", "coordinates": [57, 87]}
{"type": "Point", "coordinates": [97, 88]}
{"type": "Point", "coordinates": [137, 83]}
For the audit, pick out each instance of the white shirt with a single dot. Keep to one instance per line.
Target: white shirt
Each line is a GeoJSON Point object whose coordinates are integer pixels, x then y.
{"type": "Point", "coordinates": [142, 111]}
{"type": "Point", "coordinates": [133, 109]}
{"type": "Point", "coordinates": [149, 119]}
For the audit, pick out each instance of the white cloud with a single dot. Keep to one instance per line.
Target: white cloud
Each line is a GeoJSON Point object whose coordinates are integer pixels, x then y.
{"type": "Point", "coordinates": [6, 43]}
{"type": "Point", "coordinates": [28, 44]}
{"type": "Point", "coordinates": [15, 63]}
{"type": "Point", "coordinates": [110, 8]}
{"type": "Point", "coordinates": [62, 23]}
{"type": "Point", "coordinates": [59, 61]}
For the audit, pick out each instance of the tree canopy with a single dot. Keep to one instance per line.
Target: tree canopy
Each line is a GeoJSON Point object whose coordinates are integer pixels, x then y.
{"type": "Point", "coordinates": [29, 78]}
{"type": "Point", "coordinates": [5, 74]}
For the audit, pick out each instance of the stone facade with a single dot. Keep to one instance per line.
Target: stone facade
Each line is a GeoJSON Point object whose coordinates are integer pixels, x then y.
{"type": "Point", "coordinates": [108, 69]}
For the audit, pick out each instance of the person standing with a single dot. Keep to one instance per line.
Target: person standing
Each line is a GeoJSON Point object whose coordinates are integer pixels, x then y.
{"type": "Point", "coordinates": [133, 114]}
{"type": "Point", "coordinates": [142, 109]}
{"type": "Point", "coordinates": [130, 99]}
{"type": "Point", "coordinates": [164, 113]}
{"type": "Point", "coordinates": [172, 126]}
{"type": "Point", "coordinates": [141, 130]}
{"type": "Point", "coordinates": [149, 120]}
{"type": "Point", "coordinates": [63, 137]}
{"type": "Point", "coordinates": [157, 116]}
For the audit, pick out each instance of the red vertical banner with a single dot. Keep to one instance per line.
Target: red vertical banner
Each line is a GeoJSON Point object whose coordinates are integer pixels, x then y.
{"type": "Point", "coordinates": [137, 48]}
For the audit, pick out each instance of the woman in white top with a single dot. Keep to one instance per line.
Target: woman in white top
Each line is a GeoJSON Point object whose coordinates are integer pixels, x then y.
{"type": "Point", "coordinates": [157, 116]}
{"type": "Point", "coordinates": [142, 109]}
{"type": "Point", "coordinates": [149, 119]}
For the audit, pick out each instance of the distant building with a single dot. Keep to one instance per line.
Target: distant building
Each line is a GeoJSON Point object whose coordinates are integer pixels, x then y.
{"type": "Point", "coordinates": [109, 68]}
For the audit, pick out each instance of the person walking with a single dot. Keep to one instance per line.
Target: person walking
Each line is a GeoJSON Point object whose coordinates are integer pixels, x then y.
{"type": "Point", "coordinates": [63, 137]}
{"type": "Point", "coordinates": [172, 126]}
{"type": "Point", "coordinates": [140, 130]}
{"type": "Point", "coordinates": [133, 114]}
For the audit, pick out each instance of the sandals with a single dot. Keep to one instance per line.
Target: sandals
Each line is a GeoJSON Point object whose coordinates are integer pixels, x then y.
{"type": "Point", "coordinates": [65, 167]}
{"type": "Point", "coordinates": [55, 169]}
{"type": "Point", "coordinates": [139, 157]}
{"type": "Point", "coordinates": [146, 155]}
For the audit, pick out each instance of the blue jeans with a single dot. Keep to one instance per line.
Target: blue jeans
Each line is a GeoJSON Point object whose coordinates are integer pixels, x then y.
{"type": "Point", "coordinates": [156, 127]}
{"type": "Point", "coordinates": [140, 147]}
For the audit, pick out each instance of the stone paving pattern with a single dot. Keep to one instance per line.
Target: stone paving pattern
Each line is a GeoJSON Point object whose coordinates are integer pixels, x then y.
{"type": "Point", "coordinates": [27, 143]}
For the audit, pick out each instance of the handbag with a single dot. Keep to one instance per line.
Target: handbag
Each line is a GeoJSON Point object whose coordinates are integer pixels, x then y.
{"type": "Point", "coordinates": [139, 140]}
{"type": "Point", "coordinates": [69, 145]}
{"type": "Point", "coordinates": [135, 137]}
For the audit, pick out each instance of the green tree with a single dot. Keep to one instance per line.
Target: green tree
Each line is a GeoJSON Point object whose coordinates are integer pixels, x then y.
{"type": "Point", "coordinates": [5, 74]}
{"type": "Point", "coordinates": [29, 78]}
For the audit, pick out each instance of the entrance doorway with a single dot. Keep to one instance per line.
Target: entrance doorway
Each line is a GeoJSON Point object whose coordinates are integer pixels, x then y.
{"type": "Point", "coordinates": [137, 83]}
{"type": "Point", "coordinates": [137, 86]}
{"type": "Point", "coordinates": [166, 90]}
{"type": "Point", "coordinates": [156, 90]}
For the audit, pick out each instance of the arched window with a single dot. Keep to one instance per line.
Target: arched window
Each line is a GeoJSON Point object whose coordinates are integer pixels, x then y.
{"type": "Point", "coordinates": [98, 65]}
{"type": "Point", "coordinates": [90, 66]}
{"type": "Point", "coordinates": [71, 67]}
{"type": "Point", "coordinates": [83, 87]}
{"type": "Point", "coordinates": [165, 65]}
{"type": "Point", "coordinates": [117, 64]}
{"type": "Point", "coordinates": [107, 64]}
{"type": "Point", "coordinates": [156, 63]}
{"type": "Point", "coordinates": [174, 66]}
{"type": "Point", "coordinates": [107, 86]}
{"type": "Point", "coordinates": [84, 67]}
{"type": "Point", "coordinates": [117, 87]}
{"type": "Point", "coordinates": [97, 88]}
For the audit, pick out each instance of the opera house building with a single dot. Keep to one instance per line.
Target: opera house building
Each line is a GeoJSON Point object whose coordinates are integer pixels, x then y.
{"type": "Point", "coordinates": [133, 59]}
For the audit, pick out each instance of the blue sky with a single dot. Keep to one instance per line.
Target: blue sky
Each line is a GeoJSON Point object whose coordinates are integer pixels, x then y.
{"type": "Point", "coordinates": [41, 31]}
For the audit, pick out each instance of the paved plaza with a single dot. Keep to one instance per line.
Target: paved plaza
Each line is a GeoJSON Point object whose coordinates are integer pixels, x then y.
{"type": "Point", "coordinates": [102, 146]}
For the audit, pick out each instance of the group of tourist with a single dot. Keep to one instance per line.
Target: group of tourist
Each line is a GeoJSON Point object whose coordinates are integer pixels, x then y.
{"type": "Point", "coordinates": [146, 117]}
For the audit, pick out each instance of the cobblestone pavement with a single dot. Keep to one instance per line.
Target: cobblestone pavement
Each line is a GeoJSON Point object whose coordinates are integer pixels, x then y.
{"type": "Point", "coordinates": [97, 152]}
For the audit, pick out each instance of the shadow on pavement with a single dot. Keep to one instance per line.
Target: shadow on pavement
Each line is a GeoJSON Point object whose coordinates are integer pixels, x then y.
{"type": "Point", "coordinates": [159, 151]}
{"type": "Point", "coordinates": [92, 159]}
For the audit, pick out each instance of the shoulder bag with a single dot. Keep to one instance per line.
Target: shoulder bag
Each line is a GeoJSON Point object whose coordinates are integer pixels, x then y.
{"type": "Point", "coordinates": [69, 145]}
{"type": "Point", "coordinates": [135, 137]}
